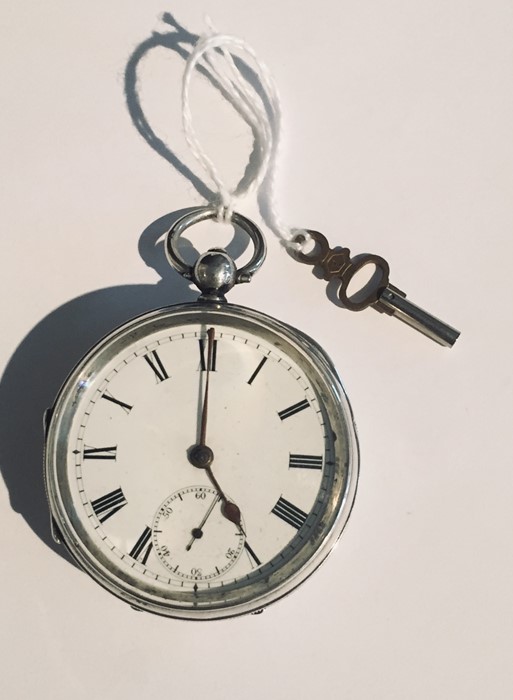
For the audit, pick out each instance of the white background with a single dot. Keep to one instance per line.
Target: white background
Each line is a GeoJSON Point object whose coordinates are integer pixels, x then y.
{"type": "Point", "coordinates": [398, 121]}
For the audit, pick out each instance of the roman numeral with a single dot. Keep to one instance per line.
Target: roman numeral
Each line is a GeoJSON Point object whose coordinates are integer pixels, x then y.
{"type": "Point", "coordinates": [305, 462]}
{"type": "Point", "coordinates": [142, 547]}
{"type": "Point", "coordinates": [203, 348]}
{"type": "Point", "coordinates": [100, 452]}
{"type": "Point", "coordinates": [252, 554]}
{"type": "Point", "coordinates": [290, 513]}
{"type": "Point", "coordinates": [108, 397]}
{"type": "Point", "coordinates": [255, 373]}
{"type": "Point", "coordinates": [292, 410]}
{"type": "Point", "coordinates": [107, 505]}
{"type": "Point", "coordinates": [155, 363]}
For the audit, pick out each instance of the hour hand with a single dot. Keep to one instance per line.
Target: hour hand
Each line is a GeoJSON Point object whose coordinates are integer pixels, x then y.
{"type": "Point", "coordinates": [231, 512]}
{"type": "Point", "coordinates": [202, 457]}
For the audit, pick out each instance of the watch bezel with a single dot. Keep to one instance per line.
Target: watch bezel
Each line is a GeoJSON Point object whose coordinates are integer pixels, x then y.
{"type": "Point", "coordinates": [259, 594]}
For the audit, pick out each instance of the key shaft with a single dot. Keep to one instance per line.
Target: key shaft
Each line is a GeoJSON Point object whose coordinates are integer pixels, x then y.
{"type": "Point", "coordinates": [394, 303]}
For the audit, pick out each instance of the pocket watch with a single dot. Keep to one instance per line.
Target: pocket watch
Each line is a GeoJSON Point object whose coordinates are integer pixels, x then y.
{"type": "Point", "coordinates": [201, 460]}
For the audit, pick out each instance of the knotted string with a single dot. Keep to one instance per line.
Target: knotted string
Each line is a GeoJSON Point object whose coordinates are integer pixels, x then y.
{"type": "Point", "coordinates": [260, 110]}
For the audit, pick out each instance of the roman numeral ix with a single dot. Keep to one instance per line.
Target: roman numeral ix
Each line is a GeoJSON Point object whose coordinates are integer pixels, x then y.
{"type": "Point", "coordinates": [106, 506]}
{"type": "Point", "coordinates": [289, 513]}
{"type": "Point", "coordinates": [100, 452]}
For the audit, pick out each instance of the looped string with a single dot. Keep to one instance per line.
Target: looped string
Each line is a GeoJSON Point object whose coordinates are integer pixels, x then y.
{"type": "Point", "coordinates": [261, 112]}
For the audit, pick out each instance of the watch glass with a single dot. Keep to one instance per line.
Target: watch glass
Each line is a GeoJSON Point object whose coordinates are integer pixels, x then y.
{"type": "Point", "coordinates": [151, 526]}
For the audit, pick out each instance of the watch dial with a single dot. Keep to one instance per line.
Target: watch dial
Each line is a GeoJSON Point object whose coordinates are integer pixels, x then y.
{"type": "Point", "coordinates": [166, 532]}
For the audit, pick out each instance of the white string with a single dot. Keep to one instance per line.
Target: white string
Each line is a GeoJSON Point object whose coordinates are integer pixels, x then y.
{"type": "Point", "coordinates": [263, 117]}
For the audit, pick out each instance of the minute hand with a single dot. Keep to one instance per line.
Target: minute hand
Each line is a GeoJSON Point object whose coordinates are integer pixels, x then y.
{"type": "Point", "coordinates": [204, 413]}
{"type": "Point", "coordinates": [201, 455]}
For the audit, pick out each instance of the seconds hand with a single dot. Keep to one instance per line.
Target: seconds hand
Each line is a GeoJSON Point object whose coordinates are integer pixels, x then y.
{"type": "Point", "coordinates": [197, 532]}
{"type": "Point", "coordinates": [201, 456]}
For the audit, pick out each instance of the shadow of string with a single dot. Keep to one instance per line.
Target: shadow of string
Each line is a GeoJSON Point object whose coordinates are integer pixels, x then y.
{"type": "Point", "coordinates": [52, 348]}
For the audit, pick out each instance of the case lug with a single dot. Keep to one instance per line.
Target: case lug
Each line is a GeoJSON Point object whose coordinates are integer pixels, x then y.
{"type": "Point", "coordinates": [56, 533]}
{"type": "Point", "coordinates": [47, 417]}
{"type": "Point", "coordinates": [54, 528]}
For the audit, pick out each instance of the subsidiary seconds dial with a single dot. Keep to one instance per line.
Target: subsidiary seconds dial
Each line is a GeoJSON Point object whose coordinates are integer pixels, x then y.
{"type": "Point", "coordinates": [191, 536]}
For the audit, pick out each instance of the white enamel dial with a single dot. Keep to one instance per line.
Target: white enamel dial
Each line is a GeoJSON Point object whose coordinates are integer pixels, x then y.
{"type": "Point", "coordinates": [156, 529]}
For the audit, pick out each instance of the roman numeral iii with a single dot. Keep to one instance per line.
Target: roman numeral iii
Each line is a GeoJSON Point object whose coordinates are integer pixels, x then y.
{"type": "Point", "coordinates": [305, 462]}
{"type": "Point", "coordinates": [106, 506]}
